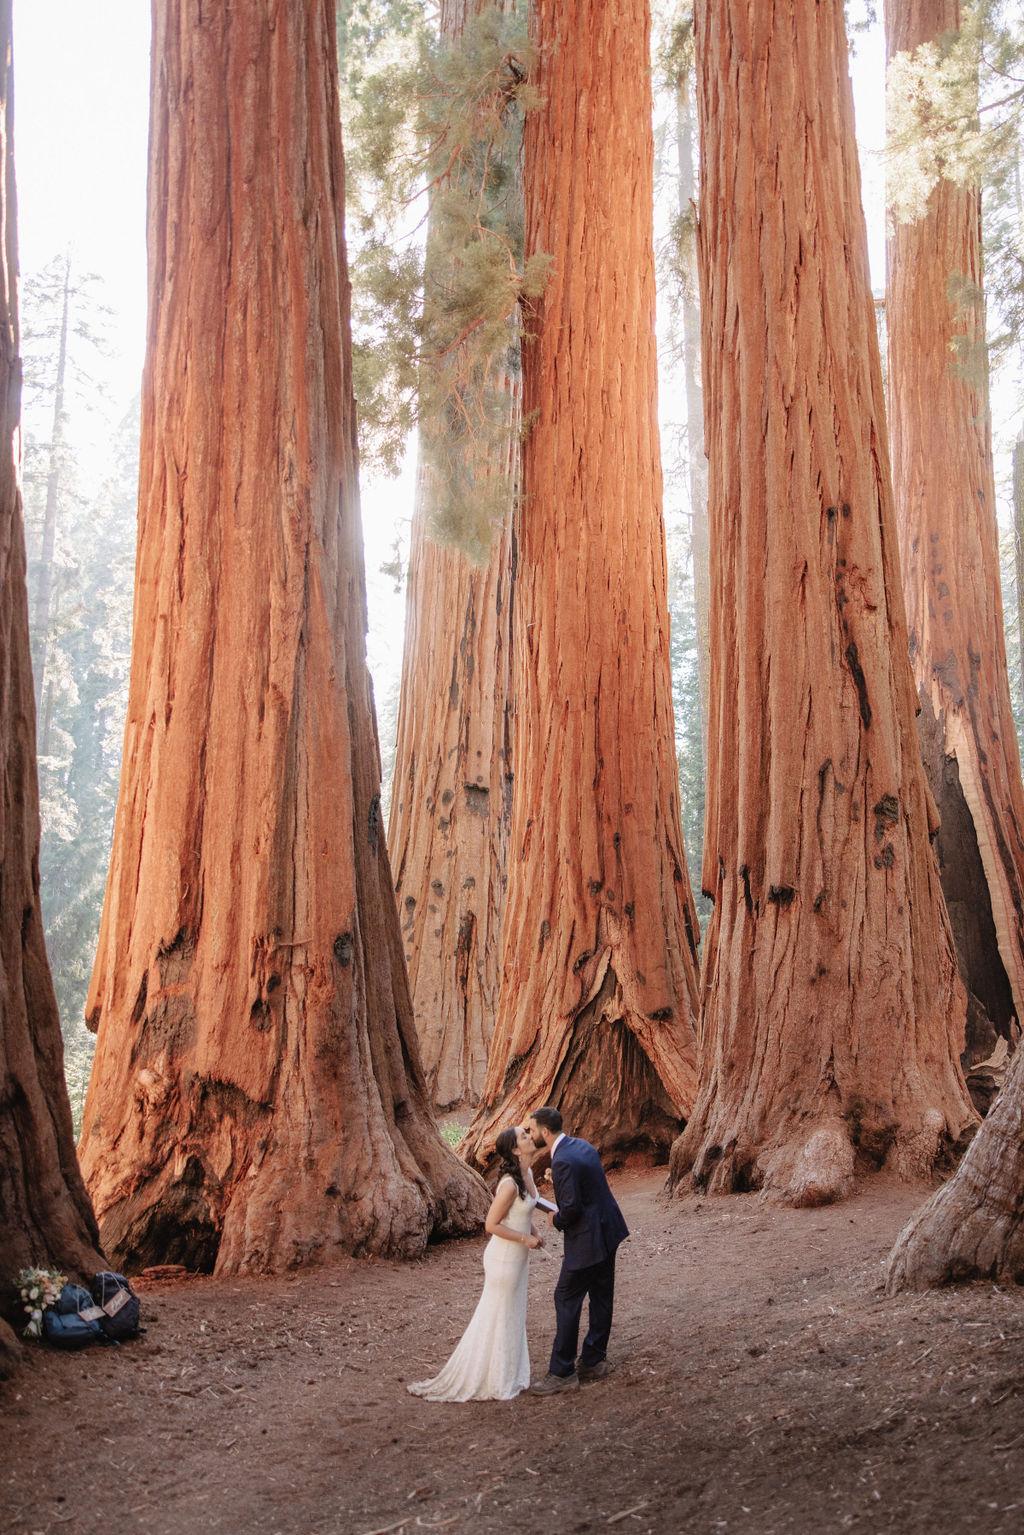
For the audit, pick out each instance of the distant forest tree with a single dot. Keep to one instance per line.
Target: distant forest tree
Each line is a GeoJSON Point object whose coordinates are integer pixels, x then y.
{"type": "Point", "coordinates": [45, 1217]}
{"type": "Point", "coordinates": [86, 694]}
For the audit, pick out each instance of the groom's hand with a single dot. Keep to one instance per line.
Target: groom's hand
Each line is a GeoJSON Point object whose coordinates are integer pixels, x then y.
{"type": "Point", "coordinates": [551, 1217]}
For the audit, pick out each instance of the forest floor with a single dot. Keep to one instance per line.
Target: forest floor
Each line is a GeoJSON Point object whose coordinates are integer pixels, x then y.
{"type": "Point", "coordinates": [762, 1382]}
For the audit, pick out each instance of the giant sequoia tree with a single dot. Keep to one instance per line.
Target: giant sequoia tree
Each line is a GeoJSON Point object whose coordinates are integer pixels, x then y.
{"type": "Point", "coordinates": [452, 783]}
{"type": "Point", "coordinates": [45, 1216]}
{"type": "Point", "coordinates": [599, 974]}
{"type": "Point", "coordinates": [832, 1017]}
{"type": "Point", "coordinates": [940, 433]}
{"type": "Point", "coordinates": [256, 1098]}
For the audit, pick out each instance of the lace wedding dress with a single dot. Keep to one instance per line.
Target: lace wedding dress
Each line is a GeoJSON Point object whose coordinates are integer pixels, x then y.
{"type": "Point", "coordinates": [491, 1361]}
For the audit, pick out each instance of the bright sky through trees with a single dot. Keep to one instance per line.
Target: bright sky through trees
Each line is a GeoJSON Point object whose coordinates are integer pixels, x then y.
{"type": "Point", "coordinates": [81, 125]}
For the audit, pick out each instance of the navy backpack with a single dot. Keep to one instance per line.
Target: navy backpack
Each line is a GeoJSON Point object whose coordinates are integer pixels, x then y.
{"type": "Point", "coordinates": [119, 1306]}
{"type": "Point", "coordinates": [72, 1322]}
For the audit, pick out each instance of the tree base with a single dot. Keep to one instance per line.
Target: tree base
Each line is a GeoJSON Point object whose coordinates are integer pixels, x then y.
{"type": "Point", "coordinates": [603, 1081]}
{"type": "Point", "coordinates": [817, 1167]}
{"type": "Point", "coordinates": [818, 1171]}
{"type": "Point", "coordinates": [973, 1228]}
{"type": "Point", "coordinates": [261, 1198]}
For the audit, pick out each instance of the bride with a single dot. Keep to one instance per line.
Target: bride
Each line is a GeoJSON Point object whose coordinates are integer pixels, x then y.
{"type": "Point", "coordinates": [491, 1360]}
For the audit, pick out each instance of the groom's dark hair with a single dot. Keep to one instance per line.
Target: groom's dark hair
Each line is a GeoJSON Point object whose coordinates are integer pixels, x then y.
{"type": "Point", "coordinates": [548, 1119]}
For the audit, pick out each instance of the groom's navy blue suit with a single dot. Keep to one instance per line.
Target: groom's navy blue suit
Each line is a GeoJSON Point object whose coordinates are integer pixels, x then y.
{"type": "Point", "coordinates": [592, 1225]}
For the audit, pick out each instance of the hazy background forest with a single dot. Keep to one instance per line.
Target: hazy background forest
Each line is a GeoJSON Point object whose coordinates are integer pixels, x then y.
{"type": "Point", "coordinates": [81, 154]}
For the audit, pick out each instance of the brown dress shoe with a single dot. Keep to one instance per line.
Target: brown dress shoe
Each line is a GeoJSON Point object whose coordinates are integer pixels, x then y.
{"type": "Point", "coordinates": [552, 1384]}
{"type": "Point", "coordinates": [596, 1371]}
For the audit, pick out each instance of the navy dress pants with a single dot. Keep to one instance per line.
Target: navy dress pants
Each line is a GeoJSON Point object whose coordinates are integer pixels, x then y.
{"type": "Point", "coordinates": [597, 1281]}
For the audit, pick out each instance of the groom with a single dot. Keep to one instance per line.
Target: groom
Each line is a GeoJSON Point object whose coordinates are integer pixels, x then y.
{"type": "Point", "coordinates": [592, 1225]}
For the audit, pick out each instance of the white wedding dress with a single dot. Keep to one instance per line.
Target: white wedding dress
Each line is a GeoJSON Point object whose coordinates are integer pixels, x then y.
{"type": "Point", "coordinates": [491, 1361]}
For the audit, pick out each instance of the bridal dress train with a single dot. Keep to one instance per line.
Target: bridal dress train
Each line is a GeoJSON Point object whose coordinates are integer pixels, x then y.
{"type": "Point", "coordinates": [491, 1361]}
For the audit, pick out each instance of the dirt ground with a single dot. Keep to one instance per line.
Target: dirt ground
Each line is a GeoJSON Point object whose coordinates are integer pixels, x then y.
{"type": "Point", "coordinates": [761, 1383]}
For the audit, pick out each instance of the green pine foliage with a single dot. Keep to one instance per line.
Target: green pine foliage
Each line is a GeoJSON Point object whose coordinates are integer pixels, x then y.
{"type": "Point", "coordinates": [438, 272]}
{"type": "Point", "coordinates": [954, 105]}
{"type": "Point", "coordinates": [955, 109]}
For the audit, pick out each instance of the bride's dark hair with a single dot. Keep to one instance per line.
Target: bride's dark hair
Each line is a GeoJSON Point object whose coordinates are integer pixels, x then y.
{"type": "Point", "coordinates": [507, 1147]}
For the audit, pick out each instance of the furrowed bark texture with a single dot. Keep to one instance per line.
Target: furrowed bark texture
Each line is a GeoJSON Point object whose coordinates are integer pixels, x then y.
{"type": "Point", "coordinates": [257, 1099]}
{"type": "Point", "coordinates": [451, 802]}
{"type": "Point", "coordinates": [45, 1216]}
{"type": "Point", "coordinates": [451, 797]}
{"type": "Point", "coordinates": [973, 1227]}
{"type": "Point", "coordinates": [600, 964]}
{"type": "Point", "coordinates": [832, 1015]}
{"type": "Point", "coordinates": [941, 440]}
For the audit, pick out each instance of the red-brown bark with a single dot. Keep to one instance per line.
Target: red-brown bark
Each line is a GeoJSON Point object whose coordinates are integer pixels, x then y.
{"type": "Point", "coordinates": [832, 1016]}
{"type": "Point", "coordinates": [941, 439]}
{"type": "Point", "coordinates": [451, 794]}
{"type": "Point", "coordinates": [450, 803]}
{"type": "Point", "coordinates": [45, 1216]}
{"type": "Point", "coordinates": [256, 1099]}
{"type": "Point", "coordinates": [973, 1227]}
{"type": "Point", "coordinates": [600, 970]}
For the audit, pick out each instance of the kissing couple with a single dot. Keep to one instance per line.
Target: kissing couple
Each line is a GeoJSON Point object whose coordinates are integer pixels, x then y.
{"type": "Point", "coordinates": [491, 1360]}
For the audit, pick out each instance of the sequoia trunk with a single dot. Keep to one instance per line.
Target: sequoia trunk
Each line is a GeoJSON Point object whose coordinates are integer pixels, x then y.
{"type": "Point", "coordinates": [941, 438]}
{"type": "Point", "coordinates": [599, 978]}
{"type": "Point", "coordinates": [833, 1017]}
{"type": "Point", "coordinates": [256, 1099]}
{"type": "Point", "coordinates": [45, 1216]}
{"type": "Point", "coordinates": [973, 1227]}
{"type": "Point", "coordinates": [450, 803]}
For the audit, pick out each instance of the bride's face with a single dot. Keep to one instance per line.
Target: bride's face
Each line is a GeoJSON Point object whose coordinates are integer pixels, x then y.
{"type": "Point", "coordinates": [524, 1140]}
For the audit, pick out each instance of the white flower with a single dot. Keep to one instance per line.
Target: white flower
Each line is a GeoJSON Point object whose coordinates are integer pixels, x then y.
{"type": "Point", "coordinates": [38, 1288]}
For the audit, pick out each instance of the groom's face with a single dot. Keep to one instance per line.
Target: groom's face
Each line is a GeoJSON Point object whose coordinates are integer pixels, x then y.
{"type": "Point", "coordinates": [538, 1135]}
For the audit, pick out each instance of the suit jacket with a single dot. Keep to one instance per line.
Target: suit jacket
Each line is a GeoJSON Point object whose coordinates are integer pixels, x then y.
{"type": "Point", "coordinates": [588, 1217]}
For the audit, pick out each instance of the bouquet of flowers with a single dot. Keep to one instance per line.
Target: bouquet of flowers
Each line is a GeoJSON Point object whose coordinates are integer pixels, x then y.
{"type": "Point", "coordinates": [39, 1289]}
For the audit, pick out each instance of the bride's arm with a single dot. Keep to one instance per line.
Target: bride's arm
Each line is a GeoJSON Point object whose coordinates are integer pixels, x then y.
{"type": "Point", "coordinates": [501, 1204]}
{"type": "Point", "coordinates": [531, 1189]}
